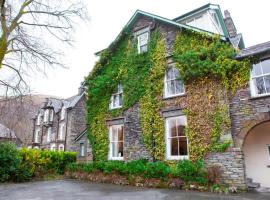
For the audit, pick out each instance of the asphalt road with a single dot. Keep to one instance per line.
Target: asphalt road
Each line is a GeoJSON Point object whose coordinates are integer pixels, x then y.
{"type": "Point", "coordinates": [78, 190]}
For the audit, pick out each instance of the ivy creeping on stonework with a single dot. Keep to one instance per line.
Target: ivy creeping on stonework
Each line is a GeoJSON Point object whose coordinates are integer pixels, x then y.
{"type": "Point", "coordinates": [200, 56]}
{"type": "Point", "coordinates": [208, 68]}
{"type": "Point", "coordinates": [211, 75]}
{"type": "Point", "coordinates": [121, 64]}
{"type": "Point", "coordinates": [150, 104]}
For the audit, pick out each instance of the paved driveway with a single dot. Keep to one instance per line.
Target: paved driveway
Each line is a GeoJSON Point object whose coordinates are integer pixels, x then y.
{"type": "Point", "coordinates": [77, 190]}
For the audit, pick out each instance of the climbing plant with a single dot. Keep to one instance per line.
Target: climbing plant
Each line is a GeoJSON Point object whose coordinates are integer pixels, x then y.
{"type": "Point", "coordinates": [211, 75]}
{"type": "Point", "coordinates": [121, 64]}
{"type": "Point", "coordinates": [208, 68]}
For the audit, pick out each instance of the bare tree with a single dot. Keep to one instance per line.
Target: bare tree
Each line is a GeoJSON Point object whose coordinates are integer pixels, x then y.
{"type": "Point", "coordinates": [29, 30]}
{"type": "Point", "coordinates": [16, 113]}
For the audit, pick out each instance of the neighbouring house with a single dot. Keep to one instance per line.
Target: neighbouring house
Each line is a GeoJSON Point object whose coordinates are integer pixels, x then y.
{"type": "Point", "coordinates": [83, 147]}
{"type": "Point", "coordinates": [58, 123]}
{"type": "Point", "coordinates": [8, 135]}
{"type": "Point", "coordinates": [171, 90]}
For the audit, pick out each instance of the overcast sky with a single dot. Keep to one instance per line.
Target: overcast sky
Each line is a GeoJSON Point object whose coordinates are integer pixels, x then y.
{"type": "Point", "coordinates": [109, 17]}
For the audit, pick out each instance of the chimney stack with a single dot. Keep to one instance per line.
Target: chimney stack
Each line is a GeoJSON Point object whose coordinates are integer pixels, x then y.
{"type": "Point", "coordinates": [229, 24]}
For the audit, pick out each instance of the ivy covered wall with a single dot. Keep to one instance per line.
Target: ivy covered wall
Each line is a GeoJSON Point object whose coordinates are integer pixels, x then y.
{"type": "Point", "coordinates": [210, 73]}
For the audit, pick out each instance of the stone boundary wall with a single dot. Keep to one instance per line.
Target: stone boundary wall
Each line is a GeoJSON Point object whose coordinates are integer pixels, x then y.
{"type": "Point", "coordinates": [232, 166]}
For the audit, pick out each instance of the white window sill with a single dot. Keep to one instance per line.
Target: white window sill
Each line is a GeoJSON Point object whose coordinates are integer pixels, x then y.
{"type": "Point", "coordinates": [260, 96]}
{"type": "Point", "coordinates": [174, 96]}
{"type": "Point", "coordinates": [116, 158]}
{"type": "Point", "coordinates": [177, 158]}
{"type": "Point", "coordinates": [112, 108]}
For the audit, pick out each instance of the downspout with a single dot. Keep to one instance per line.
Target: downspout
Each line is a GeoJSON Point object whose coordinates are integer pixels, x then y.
{"type": "Point", "coordinates": [34, 130]}
{"type": "Point", "coordinates": [66, 120]}
{"type": "Point", "coordinates": [57, 131]}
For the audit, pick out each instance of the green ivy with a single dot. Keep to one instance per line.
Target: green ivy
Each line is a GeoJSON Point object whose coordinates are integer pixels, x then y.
{"type": "Point", "coordinates": [207, 66]}
{"type": "Point", "coordinates": [119, 64]}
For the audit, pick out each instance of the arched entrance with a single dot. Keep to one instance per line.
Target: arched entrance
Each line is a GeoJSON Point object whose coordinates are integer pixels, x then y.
{"type": "Point", "coordinates": [256, 149]}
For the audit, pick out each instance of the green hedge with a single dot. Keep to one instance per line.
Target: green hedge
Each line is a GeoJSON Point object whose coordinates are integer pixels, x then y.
{"type": "Point", "coordinates": [188, 171]}
{"type": "Point", "coordinates": [25, 164]}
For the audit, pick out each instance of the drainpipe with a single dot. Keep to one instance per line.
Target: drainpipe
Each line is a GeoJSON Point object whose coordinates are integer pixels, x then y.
{"type": "Point", "coordinates": [57, 131]}
{"type": "Point", "coordinates": [66, 123]}
{"type": "Point", "coordinates": [34, 130]}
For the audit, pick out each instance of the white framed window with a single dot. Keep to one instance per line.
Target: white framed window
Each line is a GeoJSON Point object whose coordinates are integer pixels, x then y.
{"type": "Point", "coordinates": [52, 148]}
{"type": "Point", "coordinates": [37, 135]}
{"type": "Point", "coordinates": [117, 98]}
{"type": "Point", "coordinates": [176, 139]}
{"type": "Point", "coordinates": [63, 112]}
{"type": "Point", "coordinates": [51, 115]}
{"type": "Point", "coordinates": [173, 85]}
{"type": "Point", "coordinates": [61, 147]}
{"type": "Point", "coordinates": [38, 119]}
{"type": "Point", "coordinates": [260, 78]}
{"type": "Point", "coordinates": [61, 131]}
{"type": "Point", "coordinates": [82, 149]}
{"type": "Point", "coordinates": [143, 39]}
{"type": "Point", "coordinates": [116, 135]}
{"type": "Point", "coordinates": [46, 115]}
{"type": "Point", "coordinates": [49, 134]}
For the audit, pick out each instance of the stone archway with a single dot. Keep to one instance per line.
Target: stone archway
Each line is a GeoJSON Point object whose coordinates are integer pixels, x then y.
{"type": "Point", "coordinates": [239, 138]}
{"type": "Point", "coordinates": [256, 149]}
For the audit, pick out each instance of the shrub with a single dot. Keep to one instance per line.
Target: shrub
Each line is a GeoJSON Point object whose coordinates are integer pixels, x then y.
{"type": "Point", "coordinates": [192, 172]}
{"type": "Point", "coordinates": [136, 167]}
{"type": "Point", "coordinates": [38, 163]}
{"type": "Point", "coordinates": [9, 161]}
{"type": "Point", "coordinates": [156, 170]}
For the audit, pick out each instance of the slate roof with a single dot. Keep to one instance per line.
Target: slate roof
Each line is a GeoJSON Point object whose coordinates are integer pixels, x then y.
{"type": "Point", "coordinates": [254, 50]}
{"type": "Point", "coordinates": [57, 104]}
{"type": "Point", "coordinates": [5, 132]}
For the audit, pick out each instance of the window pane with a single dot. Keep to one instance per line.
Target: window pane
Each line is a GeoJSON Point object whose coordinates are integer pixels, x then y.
{"type": "Point", "coordinates": [174, 147]}
{"type": "Point", "coordinates": [172, 127]}
{"type": "Point", "coordinates": [143, 48]}
{"type": "Point", "coordinates": [181, 130]}
{"type": "Point", "coordinates": [179, 88]}
{"type": "Point", "coordinates": [143, 39]}
{"type": "Point", "coordinates": [265, 66]}
{"type": "Point", "coordinates": [114, 133]}
{"type": "Point", "coordinates": [169, 74]}
{"type": "Point", "coordinates": [267, 83]}
{"type": "Point", "coordinates": [260, 85]}
{"type": "Point", "coordinates": [256, 70]}
{"type": "Point", "coordinates": [120, 149]}
{"type": "Point", "coordinates": [183, 146]}
{"type": "Point", "coordinates": [114, 149]}
{"type": "Point", "coordinates": [176, 73]}
{"type": "Point", "coordinates": [120, 99]}
{"type": "Point", "coordinates": [120, 134]}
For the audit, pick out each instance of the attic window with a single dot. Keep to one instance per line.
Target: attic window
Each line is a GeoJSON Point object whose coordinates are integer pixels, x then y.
{"type": "Point", "coordinates": [143, 38]}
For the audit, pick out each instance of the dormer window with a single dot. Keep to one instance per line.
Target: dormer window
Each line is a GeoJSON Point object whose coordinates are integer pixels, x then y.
{"type": "Point", "coordinates": [117, 98]}
{"type": "Point", "coordinates": [63, 112]}
{"type": "Point", "coordinates": [46, 115]}
{"type": "Point", "coordinates": [260, 78]}
{"type": "Point", "coordinates": [174, 86]}
{"type": "Point", "coordinates": [143, 38]}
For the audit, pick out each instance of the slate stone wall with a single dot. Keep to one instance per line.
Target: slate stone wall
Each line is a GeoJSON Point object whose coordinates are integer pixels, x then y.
{"type": "Point", "coordinates": [76, 124]}
{"type": "Point", "coordinates": [232, 166]}
{"type": "Point", "coordinates": [247, 112]}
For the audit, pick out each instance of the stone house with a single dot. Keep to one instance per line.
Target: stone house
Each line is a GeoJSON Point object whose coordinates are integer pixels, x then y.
{"type": "Point", "coordinates": [59, 122]}
{"type": "Point", "coordinates": [248, 109]}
